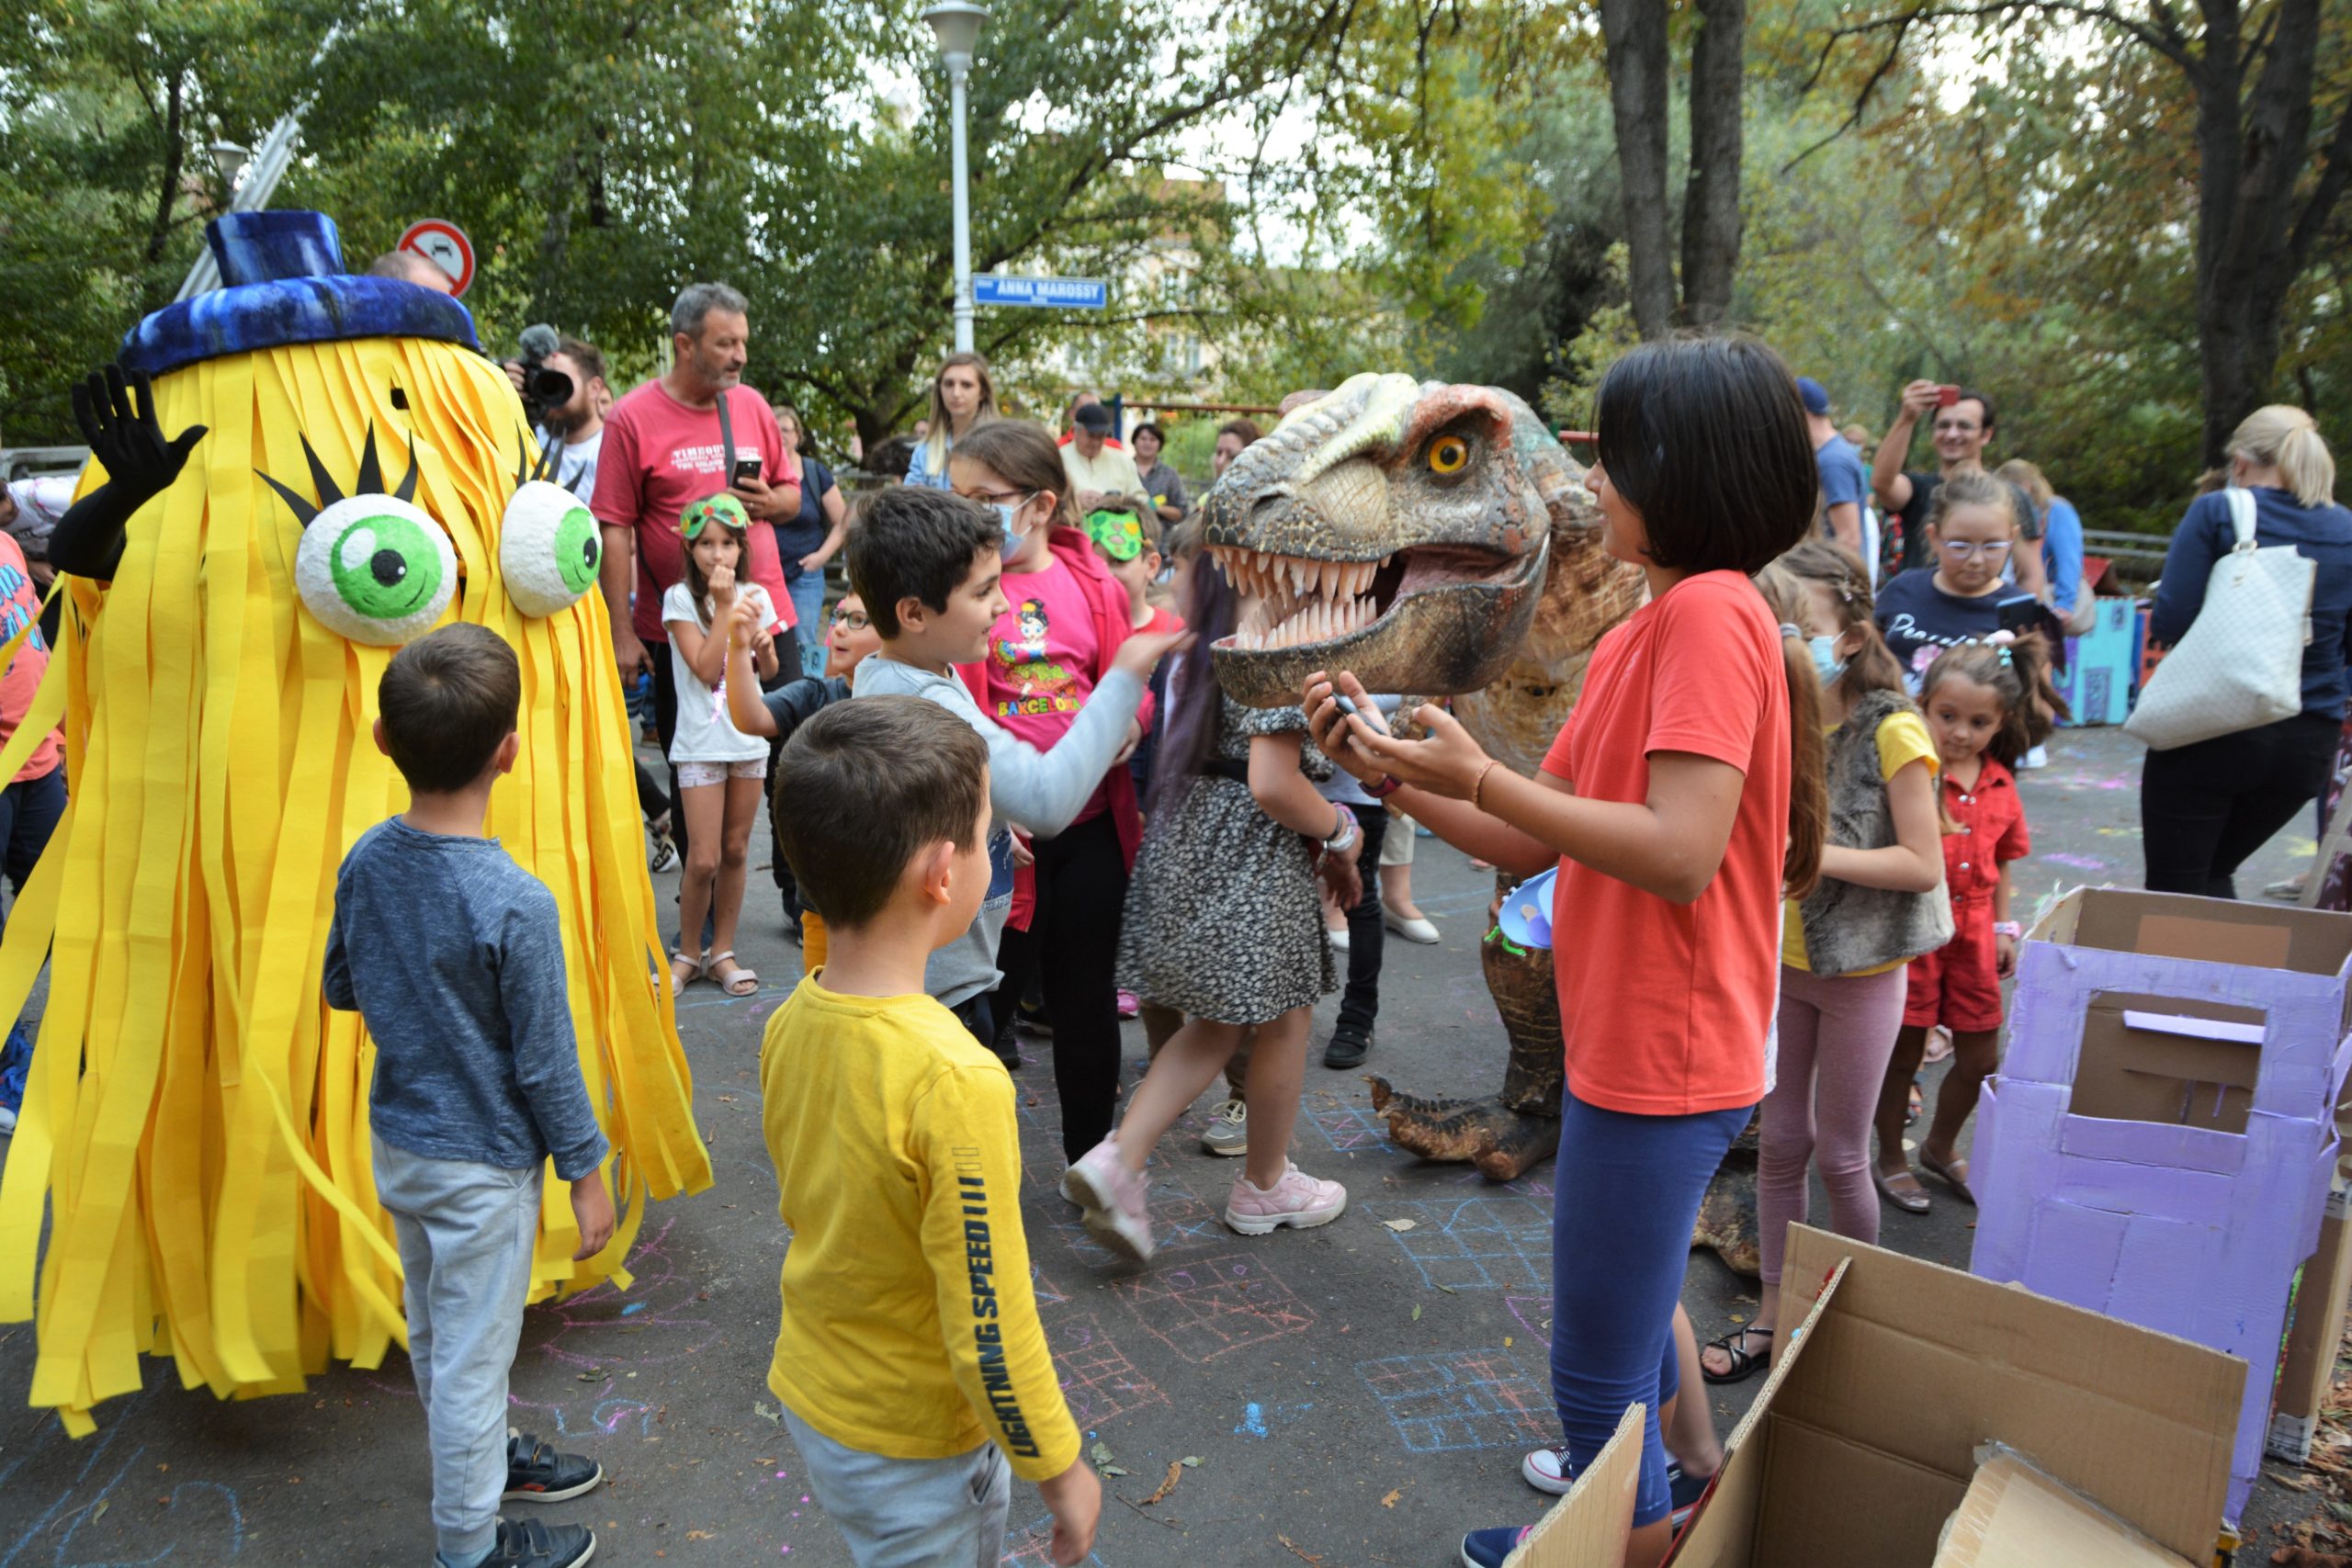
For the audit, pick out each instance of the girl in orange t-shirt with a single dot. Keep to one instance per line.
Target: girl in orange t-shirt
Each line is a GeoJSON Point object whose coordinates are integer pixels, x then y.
{"type": "Point", "coordinates": [1667, 805]}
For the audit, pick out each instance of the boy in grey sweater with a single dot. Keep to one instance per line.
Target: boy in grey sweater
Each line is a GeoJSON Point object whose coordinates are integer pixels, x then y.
{"type": "Point", "coordinates": [928, 563]}
{"type": "Point", "coordinates": [453, 954]}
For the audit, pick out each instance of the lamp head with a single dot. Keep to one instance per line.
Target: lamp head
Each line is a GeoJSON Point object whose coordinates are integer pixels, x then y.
{"type": "Point", "coordinates": [957, 24]}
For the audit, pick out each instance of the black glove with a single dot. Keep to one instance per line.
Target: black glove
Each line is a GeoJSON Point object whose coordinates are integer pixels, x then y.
{"type": "Point", "coordinates": [119, 421]}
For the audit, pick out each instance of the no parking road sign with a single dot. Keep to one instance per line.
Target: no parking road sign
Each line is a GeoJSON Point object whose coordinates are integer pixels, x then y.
{"type": "Point", "coordinates": [1052, 293]}
{"type": "Point", "coordinates": [444, 244]}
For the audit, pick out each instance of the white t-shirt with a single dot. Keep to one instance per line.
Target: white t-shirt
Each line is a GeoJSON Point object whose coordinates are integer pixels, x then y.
{"type": "Point", "coordinates": [575, 464]}
{"type": "Point", "coordinates": [705, 733]}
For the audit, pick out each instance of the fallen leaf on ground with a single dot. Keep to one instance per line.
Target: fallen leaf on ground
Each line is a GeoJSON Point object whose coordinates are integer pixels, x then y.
{"type": "Point", "coordinates": [2305, 1557]}
{"type": "Point", "coordinates": [1417, 1311]}
{"type": "Point", "coordinates": [765, 1412]}
{"type": "Point", "coordinates": [1390, 1501]}
{"type": "Point", "coordinates": [702, 1535]}
{"type": "Point", "coordinates": [99, 1512]}
{"type": "Point", "coordinates": [1099, 1453]}
{"type": "Point", "coordinates": [1190, 1461]}
{"type": "Point", "coordinates": [1115, 1470]}
{"type": "Point", "coordinates": [1399, 1224]}
{"type": "Point", "coordinates": [1294, 1552]}
{"type": "Point", "coordinates": [1447, 1289]}
{"type": "Point", "coordinates": [1168, 1482]}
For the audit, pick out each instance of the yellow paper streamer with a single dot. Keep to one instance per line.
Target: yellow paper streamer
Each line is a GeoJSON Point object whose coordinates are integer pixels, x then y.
{"type": "Point", "coordinates": [195, 1117]}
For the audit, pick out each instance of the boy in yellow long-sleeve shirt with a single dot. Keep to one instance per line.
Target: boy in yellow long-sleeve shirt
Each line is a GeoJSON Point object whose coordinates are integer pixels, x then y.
{"type": "Point", "coordinates": [911, 1366]}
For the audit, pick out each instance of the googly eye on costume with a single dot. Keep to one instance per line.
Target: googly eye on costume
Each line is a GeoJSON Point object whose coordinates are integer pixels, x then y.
{"type": "Point", "coordinates": [376, 569]}
{"type": "Point", "coordinates": [549, 549]}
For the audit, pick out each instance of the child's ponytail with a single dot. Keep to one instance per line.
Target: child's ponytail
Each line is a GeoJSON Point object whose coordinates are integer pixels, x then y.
{"type": "Point", "coordinates": [1808, 757]}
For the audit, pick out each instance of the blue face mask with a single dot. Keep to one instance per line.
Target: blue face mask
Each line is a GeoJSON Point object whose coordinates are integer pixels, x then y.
{"type": "Point", "coordinates": [1825, 658]}
{"type": "Point", "coordinates": [1006, 511]}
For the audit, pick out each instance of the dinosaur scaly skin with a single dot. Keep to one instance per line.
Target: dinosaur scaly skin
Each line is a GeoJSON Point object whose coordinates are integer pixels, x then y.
{"type": "Point", "coordinates": [1437, 539]}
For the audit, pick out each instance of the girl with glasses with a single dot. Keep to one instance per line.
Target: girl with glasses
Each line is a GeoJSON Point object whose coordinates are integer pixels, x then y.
{"type": "Point", "coordinates": [1958, 595]}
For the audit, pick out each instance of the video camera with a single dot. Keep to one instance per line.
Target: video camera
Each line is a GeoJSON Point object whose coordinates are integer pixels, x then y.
{"type": "Point", "coordinates": [544, 390]}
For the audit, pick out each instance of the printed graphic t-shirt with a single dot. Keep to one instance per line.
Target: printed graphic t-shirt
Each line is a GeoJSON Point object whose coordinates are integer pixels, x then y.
{"type": "Point", "coordinates": [659, 457]}
{"type": "Point", "coordinates": [1664, 1008]}
{"type": "Point", "coordinates": [1043, 652]}
{"type": "Point", "coordinates": [20, 608]}
{"type": "Point", "coordinates": [706, 733]}
{"type": "Point", "coordinates": [1920, 620]}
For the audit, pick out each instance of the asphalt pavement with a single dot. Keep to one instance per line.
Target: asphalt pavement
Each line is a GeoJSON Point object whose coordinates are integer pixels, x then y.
{"type": "Point", "coordinates": [1355, 1394]}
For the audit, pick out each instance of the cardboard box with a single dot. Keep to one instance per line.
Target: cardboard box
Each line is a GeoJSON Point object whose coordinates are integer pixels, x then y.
{"type": "Point", "coordinates": [2014, 1517]}
{"type": "Point", "coordinates": [2307, 1372]}
{"type": "Point", "coordinates": [1863, 1441]}
{"type": "Point", "coordinates": [2160, 1139]}
{"type": "Point", "coordinates": [2103, 665]}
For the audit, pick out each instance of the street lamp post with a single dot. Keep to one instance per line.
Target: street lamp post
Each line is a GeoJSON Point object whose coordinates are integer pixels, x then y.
{"type": "Point", "coordinates": [957, 24]}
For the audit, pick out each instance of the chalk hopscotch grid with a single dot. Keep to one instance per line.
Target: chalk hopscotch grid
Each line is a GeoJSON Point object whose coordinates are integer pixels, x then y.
{"type": "Point", "coordinates": [1460, 1399]}
{"type": "Point", "coordinates": [1179, 1221]}
{"type": "Point", "coordinates": [1097, 1379]}
{"type": "Point", "coordinates": [1216, 1304]}
{"type": "Point", "coordinates": [1475, 1243]}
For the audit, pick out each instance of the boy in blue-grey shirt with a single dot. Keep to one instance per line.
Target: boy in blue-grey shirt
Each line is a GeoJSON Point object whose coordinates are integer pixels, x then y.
{"type": "Point", "coordinates": [452, 954]}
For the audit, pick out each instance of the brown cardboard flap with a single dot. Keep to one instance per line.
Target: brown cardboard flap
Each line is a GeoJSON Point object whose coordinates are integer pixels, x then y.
{"type": "Point", "coordinates": [2209, 930]}
{"type": "Point", "coordinates": [2143, 1060]}
{"type": "Point", "coordinates": [1924, 1363]}
{"type": "Point", "coordinates": [1586, 1528]}
{"type": "Point", "coordinates": [1809, 1515]}
{"type": "Point", "coordinates": [2014, 1517]}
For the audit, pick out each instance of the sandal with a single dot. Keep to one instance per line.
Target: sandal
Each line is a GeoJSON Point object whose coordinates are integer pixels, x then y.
{"type": "Point", "coordinates": [1745, 1364]}
{"type": "Point", "coordinates": [695, 969]}
{"type": "Point", "coordinates": [1953, 1175]}
{"type": "Point", "coordinates": [1916, 1103]}
{"type": "Point", "coordinates": [739, 982]}
{"type": "Point", "coordinates": [1910, 1197]}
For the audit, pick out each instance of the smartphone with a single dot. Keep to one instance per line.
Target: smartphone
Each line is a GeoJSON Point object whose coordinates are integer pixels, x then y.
{"type": "Point", "coordinates": [2021, 616]}
{"type": "Point", "coordinates": [1370, 713]}
{"type": "Point", "coordinates": [747, 470]}
{"type": "Point", "coordinates": [1946, 396]}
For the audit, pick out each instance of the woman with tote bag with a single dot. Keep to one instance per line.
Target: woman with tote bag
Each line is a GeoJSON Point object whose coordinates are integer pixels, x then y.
{"type": "Point", "coordinates": [2237, 607]}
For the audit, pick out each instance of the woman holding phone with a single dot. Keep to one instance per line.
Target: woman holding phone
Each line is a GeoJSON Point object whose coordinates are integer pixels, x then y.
{"type": "Point", "coordinates": [1682, 800]}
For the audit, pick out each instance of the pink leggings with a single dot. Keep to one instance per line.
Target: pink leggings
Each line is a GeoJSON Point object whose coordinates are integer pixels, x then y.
{"type": "Point", "coordinates": [1836, 1037]}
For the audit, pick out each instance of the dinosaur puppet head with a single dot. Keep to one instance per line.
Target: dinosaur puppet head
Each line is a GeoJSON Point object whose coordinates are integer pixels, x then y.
{"type": "Point", "coordinates": [1400, 530]}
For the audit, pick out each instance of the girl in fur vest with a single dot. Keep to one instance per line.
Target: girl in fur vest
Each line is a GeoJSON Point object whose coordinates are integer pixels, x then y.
{"type": "Point", "coordinates": [1844, 948]}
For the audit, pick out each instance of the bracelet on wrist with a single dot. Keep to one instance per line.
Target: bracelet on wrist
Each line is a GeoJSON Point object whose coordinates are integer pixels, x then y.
{"type": "Point", "coordinates": [1389, 784]}
{"type": "Point", "coordinates": [1343, 828]}
{"type": "Point", "coordinates": [2008, 927]}
{"type": "Point", "coordinates": [1478, 784]}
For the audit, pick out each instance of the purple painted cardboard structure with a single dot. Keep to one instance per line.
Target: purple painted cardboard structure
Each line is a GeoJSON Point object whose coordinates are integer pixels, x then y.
{"type": "Point", "coordinates": [2158, 1142]}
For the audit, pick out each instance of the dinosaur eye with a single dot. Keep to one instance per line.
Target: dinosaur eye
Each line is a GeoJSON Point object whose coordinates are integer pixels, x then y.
{"type": "Point", "coordinates": [376, 569]}
{"type": "Point", "coordinates": [1449, 454]}
{"type": "Point", "coordinates": [548, 548]}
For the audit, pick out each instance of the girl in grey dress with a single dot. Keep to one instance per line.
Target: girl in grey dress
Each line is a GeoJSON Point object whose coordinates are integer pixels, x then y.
{"type": "Point", "coordinates": [1222, 924]}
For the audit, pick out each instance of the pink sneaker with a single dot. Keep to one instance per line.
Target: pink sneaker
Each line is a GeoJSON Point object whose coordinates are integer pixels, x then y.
{"type": "Point", "coordinates": [1112, 1198]}
{"type": "Point", "coordinates": [1130, 1004]}
{"type": "Point", "coordinates": [1297, 1199]}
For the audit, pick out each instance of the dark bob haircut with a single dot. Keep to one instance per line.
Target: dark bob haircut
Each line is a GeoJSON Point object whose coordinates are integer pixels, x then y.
{"type": "Point", "coordinates": [1706, 438]}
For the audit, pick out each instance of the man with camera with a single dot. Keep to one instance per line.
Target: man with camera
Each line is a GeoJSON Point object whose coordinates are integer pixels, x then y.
{"type": "Point", "coordinates": [562, 383]}
{"type": "Point", "coordinates": [1960, 425]}
{"type": "Point", "coordinates": [690, 433]}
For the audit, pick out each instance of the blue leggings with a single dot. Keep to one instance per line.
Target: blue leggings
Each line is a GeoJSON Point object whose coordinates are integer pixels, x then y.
{"type": "Point", "coordinates": [1627, 1193]}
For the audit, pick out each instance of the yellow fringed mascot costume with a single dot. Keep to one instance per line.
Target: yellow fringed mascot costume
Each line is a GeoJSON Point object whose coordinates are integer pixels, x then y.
{"type": "Point", "coordinates": [196, 1114]}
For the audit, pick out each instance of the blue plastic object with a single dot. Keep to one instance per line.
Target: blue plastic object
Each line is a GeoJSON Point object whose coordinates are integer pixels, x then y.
{"type": "Point", "coordinates": [283, 282]}
{"type": "Point", "coordinates": [1526, 917]}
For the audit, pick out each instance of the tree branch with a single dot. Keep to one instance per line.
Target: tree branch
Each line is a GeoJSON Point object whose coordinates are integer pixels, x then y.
{"type": "Point", "coordinates": [2320, 207]}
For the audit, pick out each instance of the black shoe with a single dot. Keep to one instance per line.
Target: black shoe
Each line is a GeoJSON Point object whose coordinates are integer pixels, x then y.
{"type": "Point", "coordinates": [537, 1473]}
{"type": "Point", "coordinates": [527, 1543]}
{"type": "Point", "coordinates": [1007, 1049]}
{"type": "Point", "coordinates": [1347, 1049]}
{"type": "Point", "coordinates": [1033, 1021]}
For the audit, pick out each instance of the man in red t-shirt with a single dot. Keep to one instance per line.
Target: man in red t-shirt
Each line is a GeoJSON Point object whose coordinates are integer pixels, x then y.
{"type": "Point", "coordinates": [663, 452]}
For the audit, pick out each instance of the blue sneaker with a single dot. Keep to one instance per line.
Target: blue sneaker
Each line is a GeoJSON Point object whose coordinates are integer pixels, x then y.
{"type": "Point", "coordinates": [1487, 1548]}
{"type": "Point", "coordinates": [15, 1062]}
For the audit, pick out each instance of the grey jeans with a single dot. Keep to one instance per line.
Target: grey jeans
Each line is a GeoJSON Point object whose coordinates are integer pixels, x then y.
{"type": "Point", "coordinates": [910, 1512]}
{"type": "Point", "coordinates": [465, 1234]}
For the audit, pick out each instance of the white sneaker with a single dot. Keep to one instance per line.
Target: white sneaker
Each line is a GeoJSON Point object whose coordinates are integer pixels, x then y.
{"type": "Point", "coordinates": [1338, 937]}
{"type": "Point", "coordinates": [1298, 1200]}
{"type": "Point", "coordinates": [1229, 1129]}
